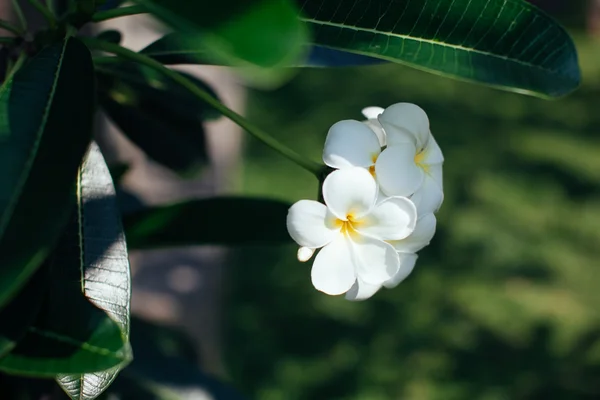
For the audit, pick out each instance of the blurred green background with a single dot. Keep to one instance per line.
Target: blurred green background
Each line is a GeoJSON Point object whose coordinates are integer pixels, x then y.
{"type": "Point", "coordinates": [505, 302]}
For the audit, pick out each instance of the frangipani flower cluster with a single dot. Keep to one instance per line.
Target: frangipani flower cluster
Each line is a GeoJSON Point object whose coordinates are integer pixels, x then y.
{"type": "Point", "coordinates": [379, 206]}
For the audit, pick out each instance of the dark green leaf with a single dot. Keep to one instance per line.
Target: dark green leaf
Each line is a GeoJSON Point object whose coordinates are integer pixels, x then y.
{"type": "Point", "coordinates": [83, 327]}
{"type": "Point", "coordinates": [230, 221]}
{"type": "Point", "coordinates": [20, 313]}
{"type": "Point", "coordinates": [260, 34]}
{"type": "Point", "coordinates": [158, 115]}
{"type": "Point", "coordinates": [43, 136]}
{"type": "Point", "coordinates": [171, 49]}
{"type": "Point", "coordinates": [509, 44]}
{"type": "Point", "coordinates": [111, 36]}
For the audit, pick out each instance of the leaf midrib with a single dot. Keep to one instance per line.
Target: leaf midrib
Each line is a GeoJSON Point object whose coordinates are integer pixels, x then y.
{"type": "Point", "coordinates": [407, 37]}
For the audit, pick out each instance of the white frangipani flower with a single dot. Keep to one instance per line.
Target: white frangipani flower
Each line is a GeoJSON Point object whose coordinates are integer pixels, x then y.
{"type": "Point", "coordinates": [413, 155]}
{"type": "Point", "coordinates": [352, 229]}
{"type": "Point", "coordinates": [398, 149]}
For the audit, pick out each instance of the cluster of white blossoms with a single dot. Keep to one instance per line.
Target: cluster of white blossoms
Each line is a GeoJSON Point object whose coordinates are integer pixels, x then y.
{"type": "Point", "coordinates": [379, 202]}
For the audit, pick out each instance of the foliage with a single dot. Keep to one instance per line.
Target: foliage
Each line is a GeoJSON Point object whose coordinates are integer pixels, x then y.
{"type": "Point", "coordinates": [64, 274]}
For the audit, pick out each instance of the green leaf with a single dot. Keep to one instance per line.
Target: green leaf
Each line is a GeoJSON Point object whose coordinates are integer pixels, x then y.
{"type": "Point", "coordinates": [106, 277]}
{"type": "Point", "coordinates": [83, 327]}
{"type": "Point", "coordinates": [43, 137]}
{"type": "Point", "coordinates": [260, 34]}
{"type": "Point", "coordinates": [21, 312]}
{"type": "Point", "coordinates": [157, 114]}
{"type": "Point", "coordinates": [111, 36]}
{"type": "Point", "coordinates": [508, 44]}
{"type": "Point", "coordinates": [229, 221]}
{"type": "Point", "coordinates": [171, 50]}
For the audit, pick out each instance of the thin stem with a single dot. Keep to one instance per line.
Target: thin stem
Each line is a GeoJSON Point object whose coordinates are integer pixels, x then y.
{"type": "Point", "coordinates": [13, 70]}
{"type": "Point", "coordinates": [11, 28]}
{"type": "Point", "coordinates": [45, 11]}
{"type": "Point", "coordinates": [20, 15]}
{"type": "Point", "coordinates": [258, 133]}
{"type": "Point", "coordinates": [118, 12]}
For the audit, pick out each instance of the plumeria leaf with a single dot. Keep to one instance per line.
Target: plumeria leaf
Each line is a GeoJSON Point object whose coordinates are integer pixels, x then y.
{"type": "Point", "coordinates": [38, 118]}
{"type": "Point", "coordinates": [111, 36]}
{"type": "Point", "coordinates": [506, 44]}
{"type": "Point", "coordinates": [227, 220]}
{"type": "Point", "coordinates": [260, 35]}
{"type": "Point", "coordinates": [157, 115]}
{"type": "Point", "coordinates": [171, 50]}
{"type": "Point", "coordinates": [22, 310]}
{"type": "Point", "coordinates": [106, 280]}
{"type": "Point", "coordinates": [83, 326]}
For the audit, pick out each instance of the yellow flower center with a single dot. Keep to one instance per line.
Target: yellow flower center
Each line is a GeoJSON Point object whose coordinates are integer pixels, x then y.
{"type": "Point", "coordinates": [420, 160]}
{"type": "Point", "coordinates": [348, 227]}
{"type": "Point", "coordinates": [372, 167]}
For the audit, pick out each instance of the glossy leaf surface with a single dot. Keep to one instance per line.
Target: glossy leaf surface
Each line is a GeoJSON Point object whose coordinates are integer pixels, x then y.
{"type": "Point", "coordinates": [43, 137]}
{"type": "Point", "coordinates": [509, 44]}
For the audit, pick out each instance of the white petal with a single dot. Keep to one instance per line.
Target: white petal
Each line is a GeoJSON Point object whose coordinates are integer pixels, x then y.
{"type": "Point", "coordinates": [421, 237]}
{"type": "Point", "coordinates": [392, 219]}
{"type": "Point", "coordinates": [350, 192]}
{"type": "Point", "coordinates": [350, 143]}
{"type": "Point", "coordinates": [407, 264]}
{"type": "Point", "coordinates": [376, 127]}
{"type": "Point", "coordinates": [408, 117]}
{"type": "Point", "coordinates": [397, 172]}
{"type": "Point", "coordinates": [429, 197]}
{"type": "Point", "coordinates": [372, 112]}
{"type": "Point", "coordinates": [310, 224]}
{"type": "Point", "coordinates": [361, 291]}
{"type": "Point", "coordinates": [334, 269]}
{"type": "Point", "coordinates": [433, 153]}
{"type": "Point", "coordinates": [435, 171]}
{"type": "Point", "coordinates": [304, 254]}
{"type": "Point", "coordinates": [377, 261]}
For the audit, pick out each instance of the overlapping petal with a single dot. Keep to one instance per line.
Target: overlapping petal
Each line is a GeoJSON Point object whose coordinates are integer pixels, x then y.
{"type": "Point", "coordinates": [432, 152]}
{"type": "Point", "coordinates": [371, 114]}
{"type": "Point", "coordinates": [376, 261]}
{"type": "Point", "coordinates": [361, 290]}
{"type": "Point", "coordinates": [420, 237]}
{"type": "Point", "coordinates": [402, 118]}
{"type": "Point", "coordinates": [429, 197]}
{"type": "Point", "coordinates": [393, 219]}
{"type": "Point", "coordinates": [310, 224]}
{"type": "Point", "coordinates": [334, 269]}
{"type": "Point", "coordinates": [407, 264]}
{"type": "Point", "coordinates": [351, 143]}
{"type": "Point", "coordinates": [396, 171]}
{"type": "Point", "coordinates": [350, 192]}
